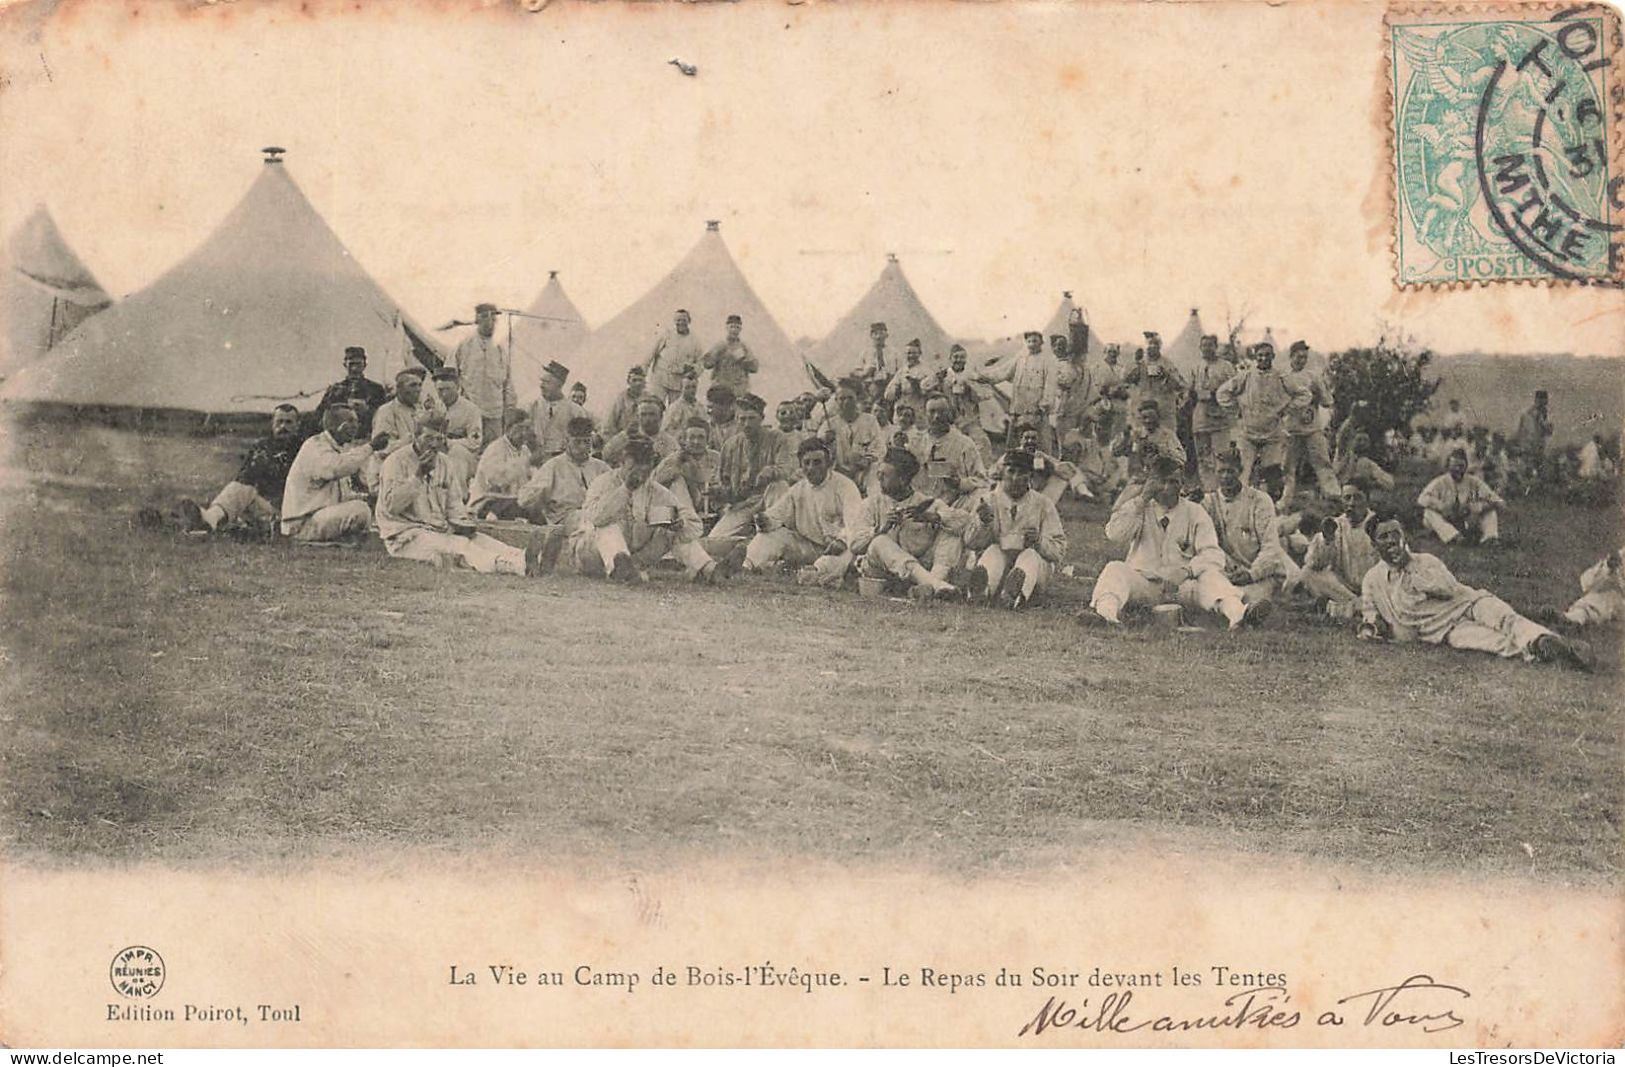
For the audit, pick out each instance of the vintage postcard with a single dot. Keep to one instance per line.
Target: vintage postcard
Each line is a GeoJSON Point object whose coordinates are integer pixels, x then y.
{"type": "Point", "coordinates": [811, 524]}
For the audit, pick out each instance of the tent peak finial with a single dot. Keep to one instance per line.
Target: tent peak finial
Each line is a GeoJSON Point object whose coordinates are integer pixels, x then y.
{"type": "Point", "coordinates": [713, 225]}
{"type": "Point", "coordinates": [1066, 294]}
{"type": "Point", "coordinates": [1193, 311]}
{"type": "Point", "coordinates": [891, 257]}
{"type": "Point", "coordinates": [552, 274]}
{"type": "Point", "coordinates": [273, 154]}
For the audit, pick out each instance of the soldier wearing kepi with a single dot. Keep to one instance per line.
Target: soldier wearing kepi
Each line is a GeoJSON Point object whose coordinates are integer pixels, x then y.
{"type": "Point", "coordinates": [908, 535]}
{"type": "Point", "coordinates": [730, 360]}
{"type": "Point", "coordinates": [1016, 540]}
{"type": "Point", "coordinates": [485, 372]}
{"type": "Point", "coordinates": [558, 487]}
{"type": "Point", "coordinates": [251, 498]}
{"type": "Point", "coordinates": [464, 425]}
{"type": "Point", "coordinates": [355, 391]}
{"type": "Point", "coordinates": [811, 524]}
{"type": "Point", "coordinates": [551, 415]}
{"type": "Point", "coordinates": [1210, 422]}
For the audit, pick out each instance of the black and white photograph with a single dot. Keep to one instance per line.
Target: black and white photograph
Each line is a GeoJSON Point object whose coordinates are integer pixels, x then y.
{"type": "Point", "coordinates": [1043, 524]}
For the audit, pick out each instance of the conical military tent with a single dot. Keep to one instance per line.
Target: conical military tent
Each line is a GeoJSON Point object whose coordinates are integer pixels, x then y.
{"type": "Point", "coordinates": [556, 332]}
{"type": "Point", "coordinates": [260, 313]}
{"type": "Point", "coordinates": [45, 291]}
{"type": "Point", "coordinates": [1184, 350]}
{"type": "Point", "coordinates": [892, 300]}
{"type": "Point", "coordinates": [710, 286]}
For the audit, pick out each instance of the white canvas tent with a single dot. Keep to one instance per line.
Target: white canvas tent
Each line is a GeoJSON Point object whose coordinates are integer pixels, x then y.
{"type": "Point", "coordinates": [261, 312]}
{"type": "Point", "coordinates": [45, 291]}
{"type": "Point", "coordinates": [556, 333]}
{"type": "Point", "coordinates": [1184, 350]}
{"type": "Point", "coordinates": [892, 300]}
{"type": "Point", "coordinates": [710, 286]}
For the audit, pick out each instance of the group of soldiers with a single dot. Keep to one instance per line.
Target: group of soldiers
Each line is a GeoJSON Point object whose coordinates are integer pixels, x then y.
{"type": "Point", "coordinates": [889, 473]}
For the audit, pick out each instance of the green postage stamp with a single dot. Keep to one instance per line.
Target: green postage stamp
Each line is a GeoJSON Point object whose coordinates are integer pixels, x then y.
{"type": "Point", "coordinates": [1506, 144]}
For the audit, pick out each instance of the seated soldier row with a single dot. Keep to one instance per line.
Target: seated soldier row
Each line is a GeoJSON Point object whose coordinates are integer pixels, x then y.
{"type": "Point", "coordinates": [937, 525]}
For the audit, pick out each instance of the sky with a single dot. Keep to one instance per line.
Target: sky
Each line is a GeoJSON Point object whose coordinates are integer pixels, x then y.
{"type": "Point", "coordinates": [1150, 157]}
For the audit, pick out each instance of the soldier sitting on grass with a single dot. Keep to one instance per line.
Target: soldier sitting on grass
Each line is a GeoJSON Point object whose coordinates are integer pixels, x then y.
{"type": "Point", "coordinates": [251, 500]}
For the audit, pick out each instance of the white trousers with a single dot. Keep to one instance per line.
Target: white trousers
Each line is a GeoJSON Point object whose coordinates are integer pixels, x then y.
{"type": "Point", "coordinates": [336, 521]}
{"type": "Point", "coordinates": [1486, 523]}
{"type": "Point", "coordinates": [480, 551]}
{"type": "Point", "coordinates": [1492, 626]}
{"type": "Point", "coordinates": [239, 503]}
{"type": "Point", "coordinates": [996, 560]}
{"type": "Point", "coordinates": [787, 545]}
{"type": "Point", "coordinates": [1120, 585]}
{"type": "Point", "coordinates": [886, 556]}
{"type": "Point", "coordinates": [596, 553]}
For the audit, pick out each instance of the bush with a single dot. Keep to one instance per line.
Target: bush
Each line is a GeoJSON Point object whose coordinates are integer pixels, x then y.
{"type": "Point", "coordinates": [1393, 385]}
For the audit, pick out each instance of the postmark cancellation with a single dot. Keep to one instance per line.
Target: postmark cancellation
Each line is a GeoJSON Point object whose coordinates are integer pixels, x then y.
{"type": "Point", "coordinates": [1506, 144]}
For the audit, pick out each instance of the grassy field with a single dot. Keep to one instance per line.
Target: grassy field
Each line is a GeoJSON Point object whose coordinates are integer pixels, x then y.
{"type": "Point", "coordinates": [184, 701]}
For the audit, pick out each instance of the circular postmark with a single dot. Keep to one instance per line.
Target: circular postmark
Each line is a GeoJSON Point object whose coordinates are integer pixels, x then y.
{"type": "Point", "coordinates": [1541, 146]}
{"type": "Point", "coordinates": [137, 971]}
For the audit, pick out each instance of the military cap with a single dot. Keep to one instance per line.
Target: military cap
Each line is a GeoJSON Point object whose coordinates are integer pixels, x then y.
{"type": "Point", "coordinates": [411, 372]}
{"type": "Point", "coordinates": [579, 426]}
{"type": "Point", "coordinates": [354, 352]}
{"type": "Point", "coordinates": [697, 423]}
{"type": "Point", "coordinates": [448, 374]}
{"type": "Point", "coordinates": [873, 326]}
{"type": "Point", "coordinates": [752, 402]}
{"type": "Point", "coordinates": [557, 369]}
{"type": "Point", "coordinates": [486, 306]}
{"type": "Point", "coordinates": [735, 320]}
{"type": "Point", "coordinates": [719, 394]}
{"type": "Point", "coordinates": [1018, 461]}
{"type": "Point", "coordinates": [1152, 335]}
{"type": "Point", "coordinates": [1298, 346]}
{"type": "Point", "coordinates": [1150, 403]}
{"type": "Point", "coordinates": [1028, 335]}
{"type": "Point", "coordinates": [636, 368]}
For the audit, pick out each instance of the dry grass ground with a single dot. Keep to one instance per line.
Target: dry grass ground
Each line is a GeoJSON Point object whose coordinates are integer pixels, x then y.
{"type": "Point", "coordinates": [194, 701]}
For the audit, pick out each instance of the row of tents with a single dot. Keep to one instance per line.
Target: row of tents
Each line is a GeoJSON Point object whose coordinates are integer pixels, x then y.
{"type": "Point", "coordinates": [262, 310]}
